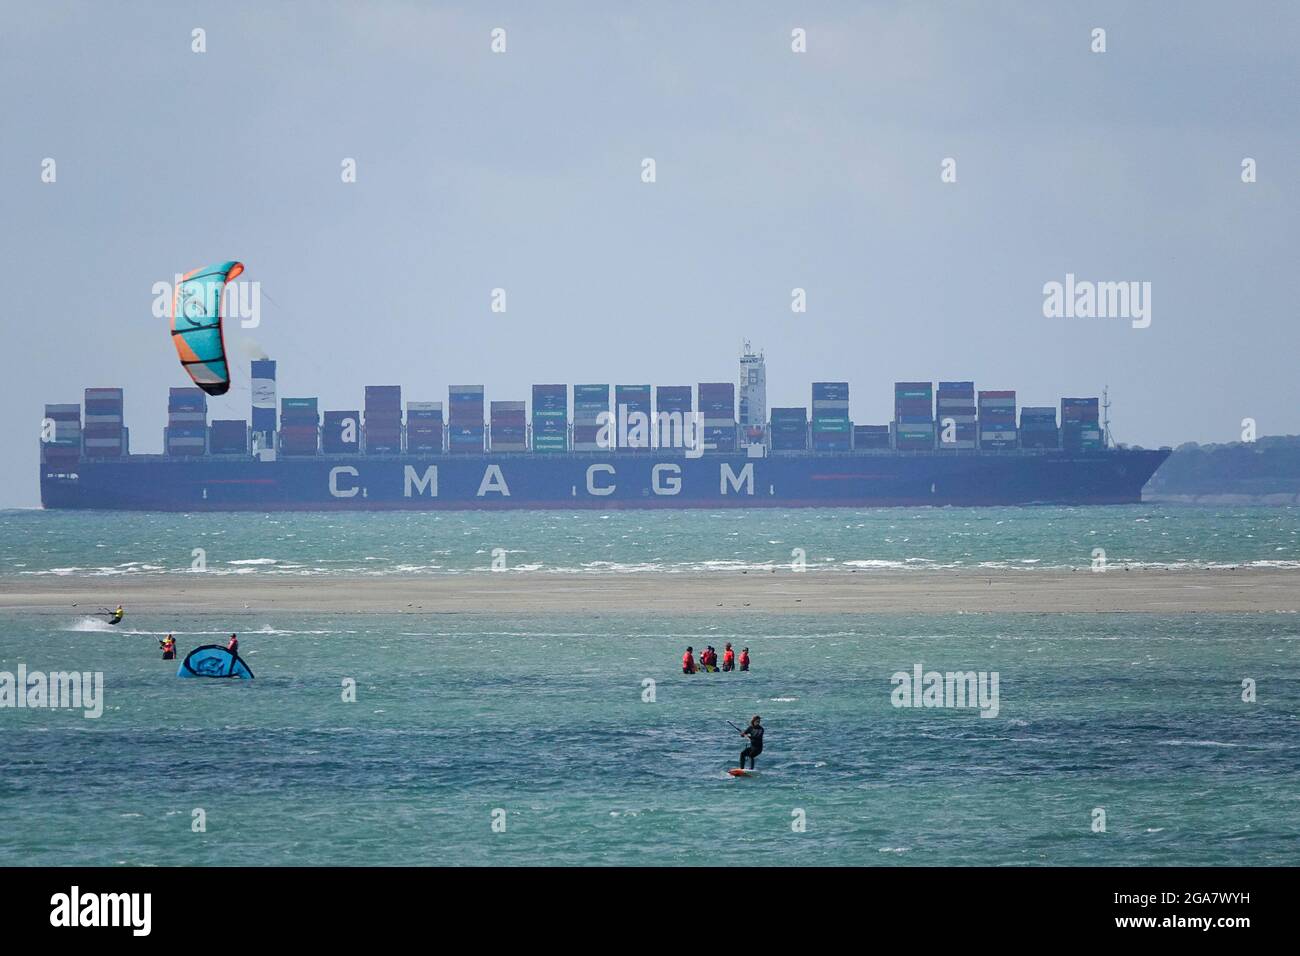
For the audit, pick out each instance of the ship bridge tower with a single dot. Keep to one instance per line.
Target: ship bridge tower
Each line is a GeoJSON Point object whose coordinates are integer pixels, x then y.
{"type": "Point", "coordinates": [753, 397]}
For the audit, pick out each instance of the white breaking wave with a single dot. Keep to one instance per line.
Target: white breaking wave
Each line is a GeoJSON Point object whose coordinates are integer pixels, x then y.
{"type": "Point", "coordinates": [93, 625]}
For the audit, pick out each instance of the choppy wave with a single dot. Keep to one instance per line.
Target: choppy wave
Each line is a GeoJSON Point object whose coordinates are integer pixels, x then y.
{"type": "Point", "coordinates": [872, 541]}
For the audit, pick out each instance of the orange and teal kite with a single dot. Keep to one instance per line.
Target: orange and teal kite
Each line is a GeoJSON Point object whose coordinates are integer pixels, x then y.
{"type": "Point", "coordinates": [196, 325]}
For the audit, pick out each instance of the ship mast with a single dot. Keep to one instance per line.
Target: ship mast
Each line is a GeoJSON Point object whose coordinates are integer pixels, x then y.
{"type": "Point", "coordinates": [1107, 441]}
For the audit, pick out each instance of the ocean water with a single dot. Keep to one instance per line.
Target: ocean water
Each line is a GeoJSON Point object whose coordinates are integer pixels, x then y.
{"type": "Point", "coordinates": [99, 543]}
{"type": "Point", "coordinates": [544, 722]}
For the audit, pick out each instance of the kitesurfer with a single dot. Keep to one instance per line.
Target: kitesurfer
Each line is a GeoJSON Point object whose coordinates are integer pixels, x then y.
{"type": "Point", "coordinates": [116, 616]}
{"type": "Point", "coordinates": [744, 658]}
{"type": "Point", "coordinates": [233, 645]}
{"type": "Point", "coordinates": [168, 645]}
{"type": "Point", "coordinates": [755, 734]}
{"type": "Point", "coordinates": [688, 661]}
{"type": "Point", "coordinates": [728, 658]}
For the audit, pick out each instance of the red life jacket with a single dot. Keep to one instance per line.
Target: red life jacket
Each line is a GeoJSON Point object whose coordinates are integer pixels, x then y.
{"type": "Point", "coordinates": [744, 657]}
{"type": "Point", "coordinates": [688, 660]}
{"type": "Point", "coordinates": [729, 656]}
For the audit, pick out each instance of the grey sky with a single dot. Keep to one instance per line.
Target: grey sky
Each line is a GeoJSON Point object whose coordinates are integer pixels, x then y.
{"type": "Point", "coordinates": [775, 170]}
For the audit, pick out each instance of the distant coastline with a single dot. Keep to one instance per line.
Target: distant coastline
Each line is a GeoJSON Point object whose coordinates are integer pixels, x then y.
{"type": "Point", "coordinates": [1262, 472]}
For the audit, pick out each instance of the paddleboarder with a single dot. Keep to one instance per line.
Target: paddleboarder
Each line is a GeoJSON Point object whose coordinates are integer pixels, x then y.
{"type": "Point", "coordinates": [755, 734]}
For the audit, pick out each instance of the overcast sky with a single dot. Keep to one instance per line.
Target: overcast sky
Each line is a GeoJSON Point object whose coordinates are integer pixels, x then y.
{"type": "Point", "coordinates": [775, 170]}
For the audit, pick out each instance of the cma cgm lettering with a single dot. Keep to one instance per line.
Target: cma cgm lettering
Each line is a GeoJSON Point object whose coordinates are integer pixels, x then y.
{"type": "Point", "coordinates": [596, 481]}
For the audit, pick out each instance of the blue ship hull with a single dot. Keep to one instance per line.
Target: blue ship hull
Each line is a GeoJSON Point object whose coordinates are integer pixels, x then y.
{"type": "Point", "coordinates": [600, 481]}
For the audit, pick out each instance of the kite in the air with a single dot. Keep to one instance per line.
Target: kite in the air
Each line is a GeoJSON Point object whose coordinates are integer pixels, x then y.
{"type": "Point", "coordinates": [196, 325]}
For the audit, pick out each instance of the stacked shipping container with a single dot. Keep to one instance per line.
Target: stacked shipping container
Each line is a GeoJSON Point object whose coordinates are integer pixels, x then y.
{"type": "Point", "coordinates": [1080, 429]}
{"type": "Point", "coordinates": [589, 403]}
{"type": "Point", "coordinates": [550, 417]}
{"type": "Point", "coordinates": [299, 426]}
{"type": "Point", "coordinates": [673, 419]}
{"type": "Point", "coordinates": [228, 437]}
{"type": "Point", "coordinates": [61, 434]}
{"type": "Point", "coordinates": [383, 419]}
{"type": "Point", "coordinates": [831, 430]}
{"type": "Point", "coordinates": [919, 421]}
{"type": "Point", "coordinates": [509, 426]}
{"type": "Point", "coordinates": [913, 416]}
{"type": "Point", "coordinates": [1038, 427]}
{"type": "Point", "coordinates": [465, 420]}
{"type": "Point", "coordinates": [955, 413]}
{"type": "Point", "coordinates": [341, 433]}
{"type": "Point", "coordinates": [103, 435]}
{"type": "Point", "coordinates": [789, 429]}
{"type": "Point", "coordinates": [629, 400]}
{"type": "Point", "coordinates": [870, 437]}
{"type": "Point", "coordinates": [424, 428]}
{"type": "Point", "coordinates": [997, 419]}
{"type": "Point", "coordinates": [718, 407]}
{"type": "Point", "coordinates": [187, 422]}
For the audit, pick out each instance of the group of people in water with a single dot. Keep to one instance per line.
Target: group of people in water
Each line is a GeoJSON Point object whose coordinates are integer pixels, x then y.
{"type": "Point", "coordinates": [168, 645]}
{"type": "Point", "coordinates": [709, 660]}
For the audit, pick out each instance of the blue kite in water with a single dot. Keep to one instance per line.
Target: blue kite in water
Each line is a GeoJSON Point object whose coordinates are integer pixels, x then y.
{"type": "Point", "coordinates": [212, 660]}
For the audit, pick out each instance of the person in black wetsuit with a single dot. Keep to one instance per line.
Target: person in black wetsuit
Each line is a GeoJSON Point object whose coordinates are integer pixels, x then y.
{"type": "Point", "coordinates": [755, 734]}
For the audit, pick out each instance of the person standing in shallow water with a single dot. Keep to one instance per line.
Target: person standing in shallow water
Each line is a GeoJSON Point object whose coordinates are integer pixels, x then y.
{"type": "Point", "coordinates": [728, 658]}
{"type": "Point", "coordinates": [744, 658]}
{"type": "Point", "coordinates": [688, 661]}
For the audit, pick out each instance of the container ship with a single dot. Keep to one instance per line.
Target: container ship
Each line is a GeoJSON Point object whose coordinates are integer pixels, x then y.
{"type": "Point", "coordinates": [713, 445]}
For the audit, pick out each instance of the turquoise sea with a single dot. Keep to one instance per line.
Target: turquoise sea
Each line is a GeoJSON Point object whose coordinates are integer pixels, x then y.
{"type": "Point", "coordinates": [99, 543]}
{"type": "Point", "coordinates": [544, 721]}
